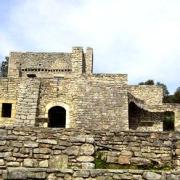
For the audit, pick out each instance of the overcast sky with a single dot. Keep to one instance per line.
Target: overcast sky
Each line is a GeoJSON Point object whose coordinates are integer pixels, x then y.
{"type": "Point", "coordinates": [140, 38]}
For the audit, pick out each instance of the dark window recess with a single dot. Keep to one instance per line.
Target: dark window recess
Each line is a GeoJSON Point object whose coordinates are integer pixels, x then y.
{"type": "Point", "coordinates": [6, 110]}
{"type": "Point", "coordinates": [168, 122]}
{"type": "Point", "coordinates": [57, 117]}
{"type": "Point", "coordinates": [31, 75]}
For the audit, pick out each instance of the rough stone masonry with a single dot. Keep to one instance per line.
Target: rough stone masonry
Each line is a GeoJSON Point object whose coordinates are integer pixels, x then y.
{"type": "Point", "coordinates": [59, 120]}
{"type": "Point", "coordinates": [56, 154]}
{"type": "Point", "coordinates": [61, 90]}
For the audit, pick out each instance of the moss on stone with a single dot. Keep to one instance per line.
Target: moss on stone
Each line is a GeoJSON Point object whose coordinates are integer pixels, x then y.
{"type": "Point", "coordinates": [101, 163]}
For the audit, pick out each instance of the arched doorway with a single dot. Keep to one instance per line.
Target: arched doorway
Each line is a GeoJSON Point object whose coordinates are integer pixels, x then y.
{"type": "Point", "coordinates": [134, 116]}
{"type": "Point", "coordinates": [57, 117]}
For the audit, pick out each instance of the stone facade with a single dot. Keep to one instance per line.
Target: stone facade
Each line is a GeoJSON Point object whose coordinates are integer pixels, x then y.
{"type": "Point", "coordinates": [40, 83]}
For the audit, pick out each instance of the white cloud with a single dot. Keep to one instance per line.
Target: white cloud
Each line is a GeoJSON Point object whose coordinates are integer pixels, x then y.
{"type": "Point", "coordinates": [141, 38]}
{"type": "Point", "coordinates": [6, 45]}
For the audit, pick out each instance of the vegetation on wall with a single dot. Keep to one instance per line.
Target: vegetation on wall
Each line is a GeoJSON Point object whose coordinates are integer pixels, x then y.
{"type": "Point", "coordinates": [101, 163]}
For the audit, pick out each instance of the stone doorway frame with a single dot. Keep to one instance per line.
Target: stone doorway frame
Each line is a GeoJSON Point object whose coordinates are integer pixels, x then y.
{"type": "Point", "coordinates": [65, 106]}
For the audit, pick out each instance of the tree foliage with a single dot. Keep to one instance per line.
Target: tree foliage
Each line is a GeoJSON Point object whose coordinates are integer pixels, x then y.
{"type": "Point", "coordinates": [148, 82]}
{"type": "Point", "coordinates": [4, 67]}
{"type": "Point", "coordinates": [165, 89]}
{"type": "Point", "coordinates": [177, 95]}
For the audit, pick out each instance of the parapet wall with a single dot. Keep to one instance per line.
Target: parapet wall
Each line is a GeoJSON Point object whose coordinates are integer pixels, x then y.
{"type": "Point", "coordinates": [50, 64]}
{"type": "Point", "coordinates": [21, 63]}
{"type": "Point", "coordinates": [152, 95]}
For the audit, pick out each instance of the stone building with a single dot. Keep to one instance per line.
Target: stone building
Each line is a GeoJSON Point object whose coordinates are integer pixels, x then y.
{"type": "Point", "coordinates": [61, 90]}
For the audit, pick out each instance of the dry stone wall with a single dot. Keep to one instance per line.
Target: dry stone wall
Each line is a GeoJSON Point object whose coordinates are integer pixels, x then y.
{"type": "Point", "coordinates": [43, 153]}
{"type": "Point", "coordinates": [69, 174]}
{"type": "Point", "coordinates": [42, 148]}
{"type": "Point", "coordinates": [137, 149]}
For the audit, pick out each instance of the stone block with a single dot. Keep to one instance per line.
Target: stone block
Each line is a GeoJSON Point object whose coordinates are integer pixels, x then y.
{"type": "Point", "coordinates": [47, 141]}
{"type": "Point", "coordinates": [43, 164]}
{"type": "Point", "coordinates": [17, 173]}
{"type": "Point", "coordinates": [112, 159]}
{"type": "Point", "coordinates": [72, 150]}
{"type": "Point", "coordinates": [177, 152]}
{"type": "Point", "coordinates": [82, 173]}
{"type": "Point", "coordinates": [87, 149]}
{"type": "Point", "coordinates": [59, 162]}
{"type": "Point", "coordinates": [124, 159]}
{"type": "Point", "coordinates": [30, 144]}
{"type": "Point", "coordinates": [139, 161]}
{"type": "Point", "coordinates": [3, 132]}
{"type": "Point", "coordinates": [28, 163]}
{"type": "Point", "coordinates": [5, 154]}
{"type": "Point", "coordinates": [90, 140]}
{"type": "Point", "coordinates": [1, 162]}
{"type": "Point", "coordinates": [41, 156]}
{"type": "Point", "coordinates": [42, 151]}
{"type": "Point", "coordinates": [88, 165]}
{"type": "Point", "coordinates": [151, 176]}
{"type": "Point", "coordinates": [178, 144]}
{"type": "Point", "coordinates": [13, 164]}
{"type": "Point", "coordinates": [78, 139]}
{"type": "Point", "coordinates": [127, 153]}
{"type": "Point", "coordinates": [2, 143]}
{"type": "Point", "coordinates": [36, 175]}
{"type": "Point", "coordinates": [85, 158]}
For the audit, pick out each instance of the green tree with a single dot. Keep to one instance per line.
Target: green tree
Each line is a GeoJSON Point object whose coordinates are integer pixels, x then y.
{"type": "Point", "coordinates": [177, 95]}
{"type": "Point", "coordinates": [165, 90]}
{"type": "Point", "coordinates": [148, 82]}
{"type": "Point", "coordinates": [4, 67]}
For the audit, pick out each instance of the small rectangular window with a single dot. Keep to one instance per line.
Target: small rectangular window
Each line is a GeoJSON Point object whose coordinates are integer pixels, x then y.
{"type": "Point", "coordinates": [6, 110]}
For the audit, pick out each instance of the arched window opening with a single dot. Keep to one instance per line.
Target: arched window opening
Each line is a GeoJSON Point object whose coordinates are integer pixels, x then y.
{"type": "Point", "coordinates": [57, 117]}
{"type": "Point", "coordinates": [168, 122]}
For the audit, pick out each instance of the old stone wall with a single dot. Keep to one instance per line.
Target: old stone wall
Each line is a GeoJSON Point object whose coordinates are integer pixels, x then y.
{"type": "Point", "coordinates": [33, 153]}
{"type": "Point", "coordinates": [69, 174]}
{"type": "Point", "coordinates": [8, 94]}
{"type": "Point", "coordinates": [137, 150]}
{"type": "Point", "coordinates": [97, 101]}
{"type": "Point", "coordinates": [40, 148]}
{"type": "Point", "coordinates": [151, 95]}
{"type": "Point", "coordinates": [90, 101]}
{"type": "Point", "coordinates": [143, 120]}
{"type": "Point", "coordinates": [27, 101]}
{"type": "Point", "coordinates": [38, 63]}
{"type": "Point", "coordinates": [51, 64]}
{"type": "Point", "coordinates": [83, 148]}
